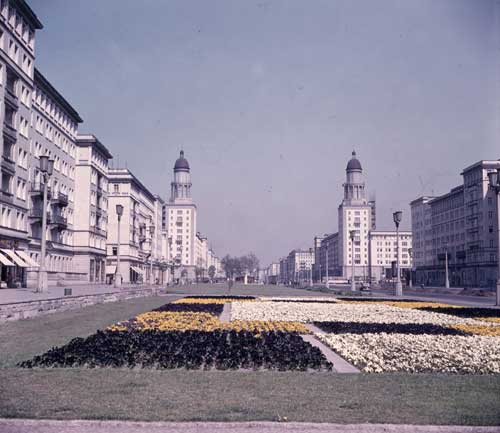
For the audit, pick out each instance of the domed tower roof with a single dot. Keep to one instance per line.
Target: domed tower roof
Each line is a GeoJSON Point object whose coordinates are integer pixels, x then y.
{"type": "Point", "coordinates": [354, 163]}
{"type": "Point", "coordinates": [182, 163]}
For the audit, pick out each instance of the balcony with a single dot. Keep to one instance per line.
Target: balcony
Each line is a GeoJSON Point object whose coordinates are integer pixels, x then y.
{"type": "Point", "coordinates": [8, 164]}
{"type": "Point", "coordinates": [37, 189]}
{"type": "Point", "coordinates": [474, 245]}
{"type": "Point", "coordinates": [11, 98]}
{"type": "Point", "coordinates": [6, 196]}
{"type": "Point", "coordinates": [60, 199]}
{"type": "Point", "coordinates": [35, 215]}
{"type": "Point", "coordinates": [59, 222]}
{"type": "Point", "coordinates": [98, 231]}
{"type": "Point", "coordinates": [142, 239]}
{"type": "Point", "coordinates": [10, 131]}
{"type": "Point", "coordinates": [98, 211]}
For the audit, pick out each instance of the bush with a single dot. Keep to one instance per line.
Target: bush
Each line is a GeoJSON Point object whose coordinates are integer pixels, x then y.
{"type": "Point", "coordinates": [192, 350]}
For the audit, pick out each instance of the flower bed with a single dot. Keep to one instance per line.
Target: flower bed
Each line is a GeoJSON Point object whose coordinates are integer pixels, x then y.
{"type": "Point", "coordinates": [402, 304]}
{"type": "Point", "coordinates": [192, 350]}
{"type": "Point", "coordinates": [418, 353]}
{"type": "Point", "coordinates": [470, 312]}
{"type": "Point", "coordinates": [315, 300]}
{"type": "Point", "coordinates": [332, 312]}
{"type": "Point", "coordinates": [396, 328]}
{"type": "Point", "coordinates": [213, 300]}
{"type": "Point", "coordinates": [492, 331]}
{"type": "Point", "coordinates": [215, 309]}
{"type": "Point", "coordinates": [189, 321]}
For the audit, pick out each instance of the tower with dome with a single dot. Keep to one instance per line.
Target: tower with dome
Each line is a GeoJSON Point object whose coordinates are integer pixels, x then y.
{"type": "Point", "coordinates": [180, 221]}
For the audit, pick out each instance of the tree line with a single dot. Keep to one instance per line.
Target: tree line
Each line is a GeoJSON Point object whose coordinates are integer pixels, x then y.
{"type": "Point", "coordinates": [235, 267]}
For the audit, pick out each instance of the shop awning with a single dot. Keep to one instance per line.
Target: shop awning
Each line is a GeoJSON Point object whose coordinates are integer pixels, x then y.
{"type": "Point", "coordinates": [110, 270]}
{"type": "Point", "coordinates": [15, 258]}
{"type": "Point", "coordinates": [137, 270]}
{"type": "Point", "coordinates": [5, 261]}
{"type": "Point", "coordinates": [27, 258]}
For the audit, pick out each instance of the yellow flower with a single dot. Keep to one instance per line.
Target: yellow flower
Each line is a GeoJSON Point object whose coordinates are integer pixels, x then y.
{"type": "Point", "coordinates": [402, 304]}
{"type": "Point", "coordinates": [490, 319]}
{"type": "Point", "coordinates": [188, 321]}
{"type": "Point", "coordinates": [488, 330]}
{"type": "Point", "coordinates": [210, 300]}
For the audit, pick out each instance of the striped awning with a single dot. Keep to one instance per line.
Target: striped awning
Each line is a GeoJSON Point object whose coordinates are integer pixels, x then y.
{"type": "Point", "coordinates": [137, 270]}
{"type": "Point", "coordinates": [15, 258]}
{"type": "Point", "coordinates": [5, 261]}
{"type": "Point", "coordinates": [27, 258]}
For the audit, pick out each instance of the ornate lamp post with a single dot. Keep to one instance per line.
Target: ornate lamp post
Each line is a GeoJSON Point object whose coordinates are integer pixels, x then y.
{"type": "Point", "coordinates": [352, 235]}
{"type": "Point", "coordinates": [494, 181]}
{"type": "Point", "coordinates": [118, 276]}
{"type": "Point", "coordinates": [47, 168]}
{"type": "Point", "coordinates": [397, 217]}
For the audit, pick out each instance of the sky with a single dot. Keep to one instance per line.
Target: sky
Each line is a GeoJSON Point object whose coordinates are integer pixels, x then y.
{"type": "Point", "coordinates": [269, 98]}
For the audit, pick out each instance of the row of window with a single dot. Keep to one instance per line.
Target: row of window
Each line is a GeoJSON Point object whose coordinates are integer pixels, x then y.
{"type": "Point", "coordinates": [18, 24]}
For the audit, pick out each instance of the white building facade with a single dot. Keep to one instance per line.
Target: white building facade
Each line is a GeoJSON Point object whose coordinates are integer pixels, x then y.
{"type": "Point", "coordinates": [91, 220]}
{"type": "Point", "coordinates": [180, 221]}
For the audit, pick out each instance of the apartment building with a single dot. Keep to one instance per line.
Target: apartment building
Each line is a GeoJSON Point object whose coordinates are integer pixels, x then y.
{"type": "Point", "coordinates": [137, 228]}
{"type": "Point", "coordinates": [91, 221]}
{"type": "Point", "coordinates": [298, 267]}
{"type": "Point", "coordinates": [383, 255]}
{"type": "Point", "coordinates": [461, 224]}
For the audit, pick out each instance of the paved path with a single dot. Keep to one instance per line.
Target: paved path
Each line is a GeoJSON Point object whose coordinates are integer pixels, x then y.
{"type": "Point", "coordinates": [42, 426]}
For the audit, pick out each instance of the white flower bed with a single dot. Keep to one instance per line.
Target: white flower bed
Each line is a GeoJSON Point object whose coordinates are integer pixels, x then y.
{"type": "Point", "coordinates": [335, 312]}
{"type": "Point", "coordinates": [295, 299]}
{"type": "Point", "coordinates": [376, 353]}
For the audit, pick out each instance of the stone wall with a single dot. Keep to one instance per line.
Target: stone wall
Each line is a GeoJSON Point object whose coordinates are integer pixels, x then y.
{"type": "Point", "coordinates": [25, 310]}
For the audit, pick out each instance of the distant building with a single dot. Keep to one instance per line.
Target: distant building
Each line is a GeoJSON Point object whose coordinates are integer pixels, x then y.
{"type": "Point", "coordinates": [357, 213]}
{"type": "Point", "coordinates": [272, 274]}
{"type": "Point", "coordinates": [138, 230]}
{"type": "Point", "coordinates": [298, 267]}
{"type": "Point", "coordinates": [180, 220]}
{"type": "Point", "coordinates": [383, 248]}
{"type": "Point", "coordinates": [462, 224]}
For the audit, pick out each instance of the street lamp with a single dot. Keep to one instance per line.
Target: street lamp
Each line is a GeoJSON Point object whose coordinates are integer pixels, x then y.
{"type": "Point", "coordinates": [446, 277]}
{"type": "Point", "coordinates": [494, 182]}
{"type": "Point", "coordinates": [410, 255]}
{"type": "Point", "coordinates": [118, 277]}
{"type": "Point", "coordinates": [151, 233]}
{"type": "Point", "coordinates": [352, 235]}
{"type": "Point", "coordinates": [397, 217]}
{"type": "Point", "coordinates": [327, 279]}
{"type": "Point", "coordinates": [47, 168]}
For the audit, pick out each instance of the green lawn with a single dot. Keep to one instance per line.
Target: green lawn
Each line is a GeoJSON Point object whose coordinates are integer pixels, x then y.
{"type": "Point", "coordinates": [180, 395]}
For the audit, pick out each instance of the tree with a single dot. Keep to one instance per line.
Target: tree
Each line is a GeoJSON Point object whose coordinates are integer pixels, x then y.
{"type": "Point", "coordinates": [238, 266]}
{"type": "Point", "coordinates": [232, 266]}
{"type": "Point", "coordinates": [211, 272]}
{"type": "Point", "coordinates": [198, 272]}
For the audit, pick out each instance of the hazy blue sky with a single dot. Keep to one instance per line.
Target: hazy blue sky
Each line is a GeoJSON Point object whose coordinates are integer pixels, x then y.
{"type": "Point", "coordinates": [268, 99]}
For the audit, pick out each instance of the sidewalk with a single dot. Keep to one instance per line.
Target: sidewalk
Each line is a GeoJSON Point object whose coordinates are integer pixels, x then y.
{"type": "Point", "coordinates": [82, 426]}
{"type": "Point", "coordinates": [10, 296]}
